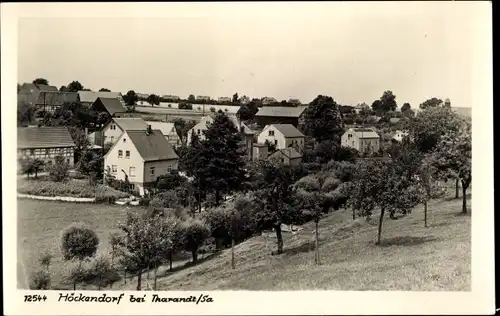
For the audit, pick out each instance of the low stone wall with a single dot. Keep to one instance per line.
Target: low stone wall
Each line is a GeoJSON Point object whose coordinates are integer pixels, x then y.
{"type": "Point", "coordinates": [57, 198]}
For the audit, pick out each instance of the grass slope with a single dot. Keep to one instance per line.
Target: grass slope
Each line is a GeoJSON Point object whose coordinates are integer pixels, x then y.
{"type": "Point", "coordinates": [411, 258]}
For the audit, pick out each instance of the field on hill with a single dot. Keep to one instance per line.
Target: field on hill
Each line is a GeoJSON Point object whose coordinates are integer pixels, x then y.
{"type": "Point", "coordinates": [411, 257]}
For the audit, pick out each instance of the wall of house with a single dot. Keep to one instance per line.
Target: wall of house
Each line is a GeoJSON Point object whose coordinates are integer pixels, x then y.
{"type": "Point", "coordinates": [352, 141]}
{"type": "Point", "coordinates": [161, 167]}
{"type": "Point", "coordinates": [198, 129]}
{"type": "Point", "coordinates": [298, 141]}
{"type": "Point", "coordinates": [173, 138]}
{"type": "Point", "coordinates": [48, 155]}
{"type": "Point", "coordinates": [135, 160]}
{"type": "Point", "coordinates": [260, 152]}
{"type": "Point", "coordinates": [110, 134]}
{"type": "Point", "coordinates": [369, 145]}
{"type": "Point", "coordinates": [278, 139]}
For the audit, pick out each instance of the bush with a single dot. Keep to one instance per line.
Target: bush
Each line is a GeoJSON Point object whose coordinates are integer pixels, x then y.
{"type": "Point", "coordinates": [99, 271]}
{"type": "Point", "coordinates": [212, 109]}
{"type": "Point", "coordinates": [45, 258]}
{"type": "Point", "coordinates": [40, 280]}
{"type": "Point", "coordinates": [78, 242]}
{"type": "Point", "coordinates": [59, 170]}
{"type": "Point", "coordinates": [169, 105]}
{"type": "Point", "coordinates": [195, 232]}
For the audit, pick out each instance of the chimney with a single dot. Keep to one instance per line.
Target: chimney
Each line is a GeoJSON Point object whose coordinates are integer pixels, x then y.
{"type": "Point", "coordinates": [148, 130]}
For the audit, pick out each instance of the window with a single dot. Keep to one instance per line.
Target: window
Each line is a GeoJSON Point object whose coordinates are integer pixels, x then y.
{"type": "Point", "coordinates": [67, 161]}
{"type": "Point", "coordinates": [127, 154]}
{"type": "Point", "coordinates": [47, 151]}
{"type": "Point", "coordinates": [276, 142]}
{"type": "Point", "coordinates": [271, 133]}
{"type": "Point", "coordinates": [113, 168]}
{"type": "Point", "coordinates": [124, 140]}
{"type": "Point", "coordinates": [199, 132]}
{"type": "Point", "coordinates": [169, 169]}
{"type": "Point", "coordinates": [112, 139]}
{"type": "Point", "coordinates": [113, 127]}
{"type": "Point", "coordinates": [32, 152]}
{"type": "Point", "coordinates": [353, 143]}
{"type": "Point", "coordinates": [152, 171]}
{"type": "Point", "coordinates": [131, 171]}
{"type": "Point", "coordinates": [282, 160]}
{"type": "Point", "coordinates": [120, 153]}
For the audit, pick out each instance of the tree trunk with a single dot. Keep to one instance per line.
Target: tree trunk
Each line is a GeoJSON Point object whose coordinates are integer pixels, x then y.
{"type": "Point", "coordinates": [194, 253]}
{"type": "Point", "coordinates": [382, 211]}
{"type": "Point", "coordinates": [279, 238]}
{"type": "Point", "coordinates": [217, 198]}
{"type": "Point", "coordinates": [316, 242]}
{"type": "Point", "coordinates": [353, 214]}
{"type": "Point", "coordinates": [125, 277]}
{"type": "Point", "coordinates": [457, 194]}
{"type": "Point", "coordinates": [425, 213]}
{"type": "Point", "coordinates": [170, 260]}
{"type": "Point", "coordinates": [232, 253]}
{"type": "Point", "coordinates": [36, 174]}
{"type": "Point", "coordinates": [154, 287]}
{"type": "Point", "coordinates": [147, 275]}
{"type": "Point", "coordinates": [74, 286]}
{"type": "Point", "coordinates": [99, 284]}
{"type": "Point", "coordinates": [464, 199]}
{"type": "Point", "coordinates": [139, 279]}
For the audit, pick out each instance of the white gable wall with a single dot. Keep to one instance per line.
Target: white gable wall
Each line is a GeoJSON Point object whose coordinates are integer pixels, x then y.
{"type": "Point", "coordinates": [124, 163]}
{"type": "Point", "coordinates": [111, 134]}
{"type": "Point", "coordinates": [278, 138]}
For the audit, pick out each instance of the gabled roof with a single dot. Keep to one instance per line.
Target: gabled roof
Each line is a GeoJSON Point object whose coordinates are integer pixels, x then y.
{"type": "Point", "coordinates": [165, 127]}
{"type": "Point", "coordinates": [56, 98]}
{"type": "Point", "coordinates": [38, 87]}
{"type": "Point", "coordinates": [288, 130]}
{"type": "Point", "coordinates": [112, 105]}
{"type": "Point", "coordinates": [290, 153]}
{"type": "Point", "coordinates": [281, 111]}
{"type": "Point", "coordinates": [153, 146]}
{"type": "Point", "coordinates": [365, 133]}
{"type": "Point", "coordinates": [131, 123]}
{"type": "Point", "coordinates": [44, 137]}
{"type": "Point", "coordinates": [91, 96]}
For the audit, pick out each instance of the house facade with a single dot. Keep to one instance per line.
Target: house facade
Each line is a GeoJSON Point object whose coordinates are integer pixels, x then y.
{"type": "Point", "coordinates": [202, 98]}
{"type": "Point", "coordinates": [279, 115]}
{"type": "Point", "coordinates": [112, 130]}
{"type": "Point", "coordinates": [269, 100]}
{"type": "Point", "coordinates": [45, 143]}
{"type": "Point", "coordinates": [87, 98]}
{"type": "Point", "coordinates": [364, 140]}
{"type": "Point", "coordinates": [287, 156]}
{"type": "Point", "coordinates": [199, 128]}
{"type": "Point", "coordinates": [168, 130]}
{"type": "Point", "coordinates": [260, 151]}
{"type": "Point", "coordinates": [141, 157]}
{"type": "Point", "coordinates": [171, 97]}
{"type": "Point", "coordinates": [282, 136]}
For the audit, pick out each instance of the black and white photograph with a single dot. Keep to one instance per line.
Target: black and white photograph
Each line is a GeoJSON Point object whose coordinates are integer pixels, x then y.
{"type": "Point", "coordinates": [265, 148]}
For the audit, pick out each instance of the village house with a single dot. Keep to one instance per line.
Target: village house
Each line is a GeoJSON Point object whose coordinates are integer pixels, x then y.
{"type": "Point", "coordinates": [279, 115]}
{"type": "Point", "coordinates": [224, 99]}
{"type": "Point", "coordinates": [171, 97]}
{"type": "Point", "coordinates": [29, 92]}
{"type": "Point", "coordinates": [51, 100]}
{"type": "Point", "coordinates": [287, 156]}
{"type": "Point", "coordinates": [294, 101]}
{"type": "Point", "coordinates": [115, 127]}
{"type": "Point", "coordinates": [168, 130]}
{"type": "Point", "coordinates": [45, 143]}
{"type": "Point", "coordinates": [140, 157]}
{"type": "Point", "coordinates": [202, 98]}
{"type": "Point", "coordinates": [199, 128]}
{"type": "Point", "coordinates": [142, 95]}
{"type": "Point", "coordinates": [399, 135]}
{"type": "Point", "coordinates": [282, 136]}
{"type": "Point", "coordinates": [268, 100]}
{"type": "Point", "coordinates": [87, 98]}
{"type": "Point", "coordinates": [112, 106]}
{"type": "Point", "coordinates": [260, 151]}
{"type": "Point", "coordinates": [364, 140]}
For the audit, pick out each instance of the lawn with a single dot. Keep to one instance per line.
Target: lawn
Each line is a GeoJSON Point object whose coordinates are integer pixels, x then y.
{"type": "Point", "coordinates": [411, 257]}
{"type": "Point", "coordinates": [39, 226]}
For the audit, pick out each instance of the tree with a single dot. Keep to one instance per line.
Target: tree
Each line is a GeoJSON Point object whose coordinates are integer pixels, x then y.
{"type": "Point", "coordinates": [247, 111]}
{"type": "Point", "coordinates": [406, 106]}
{"type": "Point", "coordinates": [323, 120]}
{"type": "Point", "coordinates": [130, 98]}
{"type": "Point", "coordinates": [40, 280]}
{"type": "Point", "coordinates": [313, 193]}
{"type": "Point", "coordinates": [427, 181]}
{"type": "Point", "coordinates": [18, 87]}
{"type": "Point", "coordinates": [59, 170]}
{"type": "Point", "coordinates": [191, 98]}
{"type": "Point", "coordinates": [26, 166]}
{"type": "Point", "coordinates": [78, 242]}
{"type": "Point", "coordinates": [153, 99]}
{"type": "Point", "coordinates": [100, 272]}
{"type": "Point", "coordinates": [63, 89]}
{"type": "Point", "coordinates": [38, 165]}
{"type": "Point", "coordinates": [379, 184]}
{"type": "Point", "coordinates": [143, 241]}
{"type": "Point", "coordinates": [195, 231]}
{"type": "Point", "coordinates": [431, 103]}
{"type": "Point", "coordinates": [454, 152]}
{"type": "Point", "coordinates": [41, 81]}
{"type": "Point", "coordinates": [447, 103]}
{"type": "Point", "coordinates": [25, 113]}
{"type": "Point", "coordinates": [45, 258]}
{"type": "Point", "coordinates": [235, 98]}
{"type": "Point", "coordinates": [169, 181]}
{"type": "Point", "coordinates": [104, 90]}
{"type": "Point", "coordinates": [277, 200]}
{"type": "Point", "coordinates": [91, 163]}
{"type": "Point", "coordinates": [75, 86]}
{"type": "Point", "coordinates": [185, 106]}
{"type": "Point", "coordinates": [388, 101]}
{"type": "Point", "coordinates": [82, 141]}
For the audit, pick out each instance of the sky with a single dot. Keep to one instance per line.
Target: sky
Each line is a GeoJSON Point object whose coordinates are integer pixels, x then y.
{"type": "Point", "coordinates": [352, 51]}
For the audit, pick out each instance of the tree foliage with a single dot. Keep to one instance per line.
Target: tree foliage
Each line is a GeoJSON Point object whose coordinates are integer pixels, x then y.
{"type": "Point", "coordinates": [195, 232]}
{"type": "Point", "coordinates": [42, 81]}
{"type": "Point", "coordinates": [431, 103]}
{"type": "Point", "coordinates": [58, 171]}
{"type": "Point", "coordinates": [25, 113]}
{"type": "Point", "coordinates": [40, 280]}
{"type": "Point", "coordinates": [323, 120]}
{"type": "Point", "coordinates": [104, 90]}
{"type": "Point", "coordinates": [78, 242]}
{"type": "Point", "coordinates": [131, 98]}
{"type": "Point", "coordinates": [153, 99]}
{"type": "Point", "coordinates": [74, 86]}
{"type": "Point", "coordinates": [406, 106]}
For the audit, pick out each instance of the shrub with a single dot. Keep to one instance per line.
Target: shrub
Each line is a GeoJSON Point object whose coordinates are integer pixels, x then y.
{"type": "Point", "coordinates": [169, 105]}
{"type": "Point", "coordinates": [45, 258]}
{"type": "Point", "coordinates": [195, 232]}
{"type": "Point", "coordinates": [78, 242]}
{"type": "Point", "coordinates": [107, 194]}
{"type": "Point", "coordinates": [59, 170]}
{"type": "Point", "coordinates": [212, 109]}
{"type": "Point", "coordinates": [40, 280]}
{"type": "Point", "coordinates": [99, 271]}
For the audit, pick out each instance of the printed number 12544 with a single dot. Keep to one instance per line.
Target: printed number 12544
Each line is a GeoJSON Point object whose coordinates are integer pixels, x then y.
{"type": "Point", "coordinates": [35, 298]}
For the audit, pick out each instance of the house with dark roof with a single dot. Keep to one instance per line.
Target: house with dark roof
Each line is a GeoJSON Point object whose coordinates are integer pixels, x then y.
{"type": "Point", "coordinates": [115, 127]}
{"type": "Point", "coordinates": [364, 140]}
{"type": "Point", "coordinates": [45, 143]}
{"type": "Point", "coordinates": [282, 136]}
{"type": "Point", "coordinates": [141, 156]}
{"type": "Point", "coordinates": [51, 100]}
{"type": "Point", "coordinates": [87, 98]}
{"type": "Point", "coordinates": [287, 156]}
{"type": "Point", "coordinates": [279, 115]}
{"type": "Point", "coordinates": [168, 130]}
{"type": "Point", "coordinates": [29, 92]}
{"type": "Point", "coordinates": [112, 106]}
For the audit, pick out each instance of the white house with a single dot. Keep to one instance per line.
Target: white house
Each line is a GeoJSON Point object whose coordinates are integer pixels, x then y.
{"type": "Point", "coordinates": [168, 130]}
{"type": "Point", "coordinates": [399, 135]}
{"type": "Point", "coordinates": [207, 120]}
{"type": "Point", "coordinates": [111, 131]}
{"type": "Point", "coordinates": [268, 100]}
{"type": "Point", "coordinates": [224, 99]}
{"type": "Point", "coordinates": [202, 97]}
{"type": "Point", "coordinates": [282, 136]}
{"type": "Point", "coordinates": [364, 140]}
{"type": "Point", "coordinates": [141, 156]}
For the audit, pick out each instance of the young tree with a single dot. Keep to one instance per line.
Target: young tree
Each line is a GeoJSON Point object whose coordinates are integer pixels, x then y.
{"type": "Point", "coordinates": [378, 183]}
{"type": "Point", "coordinates": [59, 170]}
{"type": "Point", "coordinates": [75, 86]}
{"type": "Point", "coordinates": [323, 120]}
{"type": "Point", "coordinates": [45, 259]}
{"type": "Point", "coordinates": [78, 242]}
{"type": "Point", "coordinates": [40, 280]}
{"type": "Point", "coordinates": [25, 113]}
{"type": "Point", "coordinates": [91, 164]}
{"type": "Point", "coordinates": [130, 98]}
{"type": "Point", "coordinates": [101, 272]}
{"type": "Point", "coordinates": [42, 81]}
{"type": "Point", "coordinates": [191, 98]}
{"type": "Point", "coordinates": [153, 99]}
{"type": "Point", "coordinates": [406, 106]}
{"type": "Point", "coordinates": [82, 141]}
{"type": "Point", "coordinates": [195, 232]}
{"type": "Point", "coordinates": [235, 98]}
{"type": "Point", "coordinates": [427, 181]}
